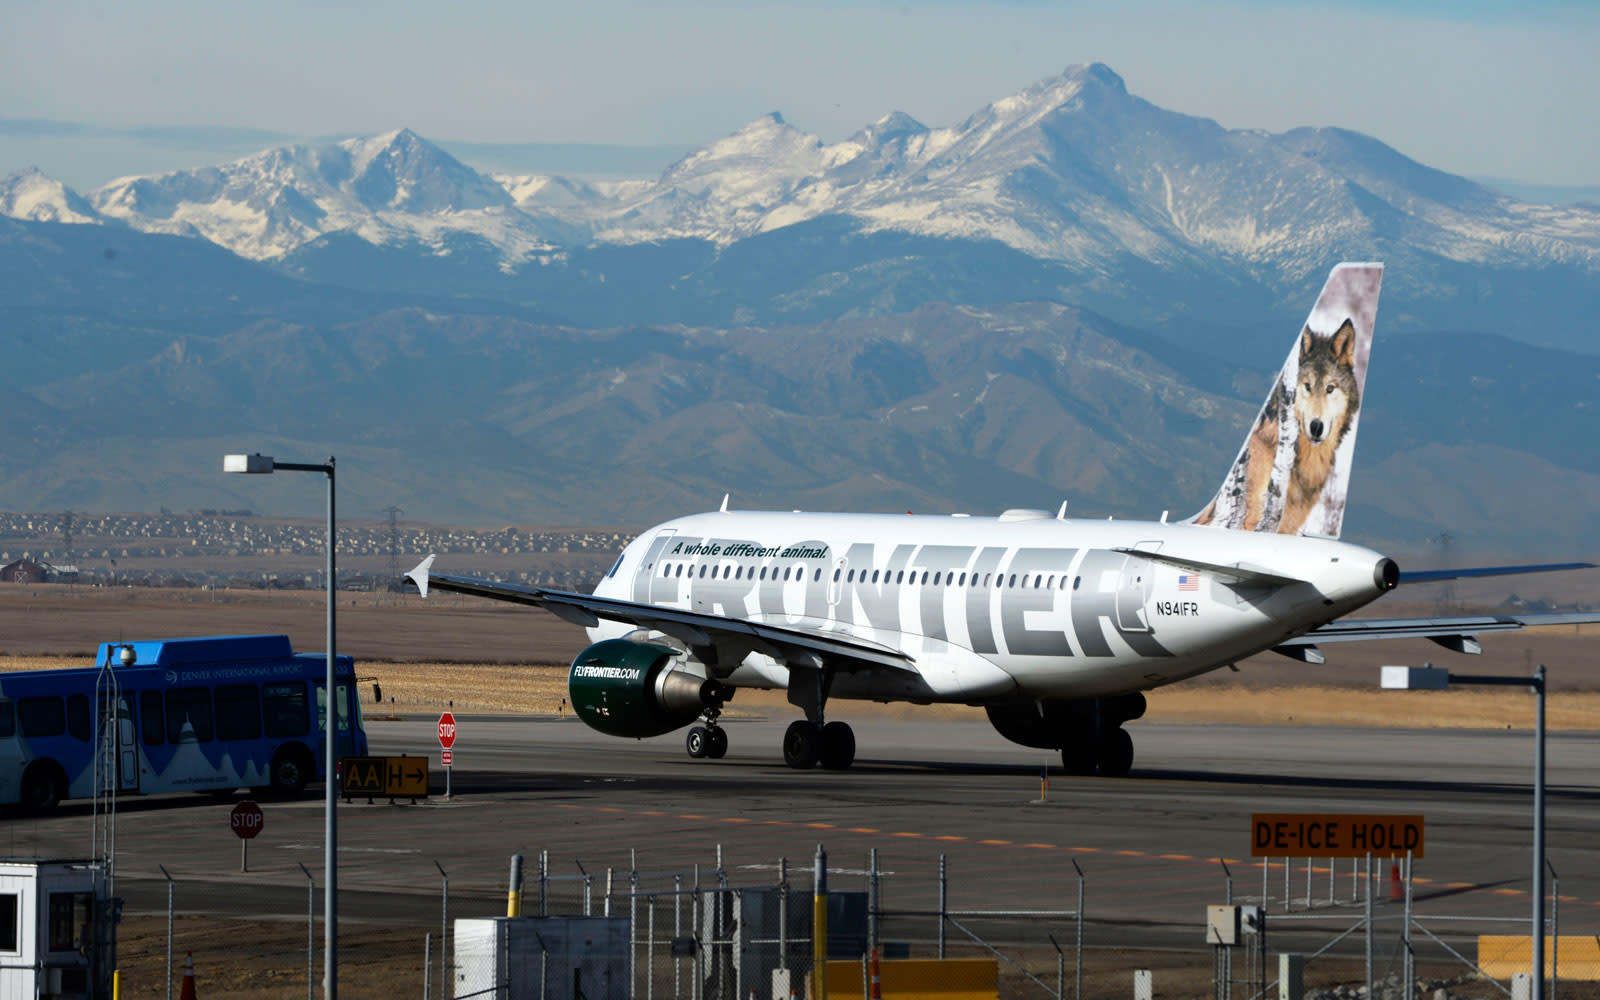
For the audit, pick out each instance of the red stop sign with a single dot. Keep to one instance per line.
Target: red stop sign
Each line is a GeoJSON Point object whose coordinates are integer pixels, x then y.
{"type": "Point", "coordinates": [247, 819]}
{"type": "Point", "coordinates": [447, 730]}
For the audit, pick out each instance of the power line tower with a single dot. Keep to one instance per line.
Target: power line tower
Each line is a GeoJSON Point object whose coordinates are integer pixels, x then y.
{"type": "Point", "coordinates": [1447, 603]}
{"type": "Point", "coordinates": [66, 543]}
{"type": "Point", "coordinates": [391, 587]}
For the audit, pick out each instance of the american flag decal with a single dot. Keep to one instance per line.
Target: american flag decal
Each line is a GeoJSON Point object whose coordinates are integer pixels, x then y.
{"type": "Point", "coordinates": [1188, 581]}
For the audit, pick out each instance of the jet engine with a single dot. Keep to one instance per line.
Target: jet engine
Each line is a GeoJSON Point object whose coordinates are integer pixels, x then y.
{"type": "Point", "coordinates": [635, 689]}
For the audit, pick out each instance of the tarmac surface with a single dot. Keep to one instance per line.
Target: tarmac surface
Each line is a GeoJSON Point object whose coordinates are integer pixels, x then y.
{"type": "Point", "coordinates": [1153, 849]}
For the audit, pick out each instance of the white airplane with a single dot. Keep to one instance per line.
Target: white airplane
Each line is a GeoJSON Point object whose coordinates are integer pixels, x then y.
{"type": "Point", "coordinates": [1055, 625]}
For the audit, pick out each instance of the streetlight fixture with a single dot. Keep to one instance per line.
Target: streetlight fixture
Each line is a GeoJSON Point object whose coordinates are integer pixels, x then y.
{"type": "Point", "coordinates": [262, 464]}
{"type": "Point", "coordinates": [1431, 678]}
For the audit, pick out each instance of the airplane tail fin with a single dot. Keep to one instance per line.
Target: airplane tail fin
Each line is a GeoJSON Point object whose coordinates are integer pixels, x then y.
{"type": "Point", "coordinates": [1293, 471]}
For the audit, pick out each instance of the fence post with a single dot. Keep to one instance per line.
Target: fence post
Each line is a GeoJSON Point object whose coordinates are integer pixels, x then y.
{"type": "Point", "coordinates": [544, 883]}
{"type": "Point", "coordinates": [311, 931]}
{"type": "Point", "coordinates": [606, 909]}
{"type": "Point", "coordinates": [1555, 929]}
{"type": "Point", "coordinates": [873, 900]}
{"type": "Point", "coordinates": [650, 950]}
{"type": "Point", "coordinates": [677, 932]}
{"type": "Point", "coordinates": [819, 927]}
{"type": "Point", "coordinates": [1410, 965]}
{"type": "Point", "coordinates": [1369, 924]}
{"type": "Point", "coordinates": [1078, 947]}
{"type": "Point", "coordinates": [170, 884]}
{"type": "Point", "coordinates": [633, 918]}
{"type": "Point", "coordinates": [444, 932]}
{"type": "Point", "coordinates": [427, 964]}
{"type": "Point", "coordinates": [783, 914]}
{"type": "Point", "coordinates": [944, 889]}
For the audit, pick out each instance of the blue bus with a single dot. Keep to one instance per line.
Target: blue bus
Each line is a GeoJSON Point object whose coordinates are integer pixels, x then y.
{"type": "Point", "coordinates": [213, 713]}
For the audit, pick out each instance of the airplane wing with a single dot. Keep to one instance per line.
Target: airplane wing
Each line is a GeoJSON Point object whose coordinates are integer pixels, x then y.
{"type": "Point", "coordinates": [731, 638]}
{"type": "Point", "coordinates": [1458, 633]}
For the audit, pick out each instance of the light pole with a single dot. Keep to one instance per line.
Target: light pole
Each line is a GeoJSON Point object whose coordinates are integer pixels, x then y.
{"type": "Point", "coordinates": [261, 464]}
{"type": "Point", "coordinates": [1431, 678]}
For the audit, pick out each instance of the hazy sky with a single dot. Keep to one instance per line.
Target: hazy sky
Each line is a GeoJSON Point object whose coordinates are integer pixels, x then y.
{"type": "Point", "coordinates": [1476, 88]}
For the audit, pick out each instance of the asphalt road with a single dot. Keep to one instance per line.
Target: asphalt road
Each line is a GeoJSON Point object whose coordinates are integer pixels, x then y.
{"type": "Point", "coordinates": [1153, 850]}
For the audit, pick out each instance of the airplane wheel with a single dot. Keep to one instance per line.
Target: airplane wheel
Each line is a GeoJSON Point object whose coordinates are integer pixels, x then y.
{"type": "Point", "coordinates": [1078, 757]}
{"type": "Point", "coordinates": [716, 743]}
{"type": "Point", "coordinates": [800, 745]}
{"type": "Point", "coordinates": [698, 742]}
{"type": "Point", "coordinates": [1116, 754]}
{"type": "Point", "coordinates": [838, 746]}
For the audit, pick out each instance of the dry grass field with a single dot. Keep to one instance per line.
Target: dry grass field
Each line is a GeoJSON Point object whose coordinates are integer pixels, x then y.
{"type": "Point", "coordinates": [495, 658]}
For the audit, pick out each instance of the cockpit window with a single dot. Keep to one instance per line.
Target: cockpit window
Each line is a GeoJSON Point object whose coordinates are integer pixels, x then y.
{"type": "Point", "coordinates": [615, 566]}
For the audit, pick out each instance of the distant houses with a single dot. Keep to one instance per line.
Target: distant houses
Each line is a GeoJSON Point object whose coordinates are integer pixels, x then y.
{"type": "Point", "coordinates": [28, 571]}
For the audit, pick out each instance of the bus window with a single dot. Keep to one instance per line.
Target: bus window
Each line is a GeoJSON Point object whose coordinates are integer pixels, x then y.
{"type": "Point", "coordinates": [238, 712]}
{"type": "Point", "coordinates": [78, 716]}
{"type": "Point", "coordinates": [8, 718]}
{"type": "Point", "coordinates": [41, 717]}
{"type": "Point", "coordinates": [189, 708]}
{"type": "Point", "coordinates": [287, 715]}
{"type": "Point", "coordinates": [344, 707]}
{"type": "Point", "coordinates": [152, 719]}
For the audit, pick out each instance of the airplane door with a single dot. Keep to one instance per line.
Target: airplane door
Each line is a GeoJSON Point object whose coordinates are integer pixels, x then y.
{"type": "Point", "coordinates": [1134, 587]}
{"type": "Point", "coordinates": [836, 585]}
{"type": "Point", "coordinates": [646, 590]}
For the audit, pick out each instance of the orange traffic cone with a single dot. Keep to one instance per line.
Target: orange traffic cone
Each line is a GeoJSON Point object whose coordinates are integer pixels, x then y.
{"type": "Point", "coordinates": [1397, 893]}
{"type": "Point", "coordinates": [875, 992]}
{"type": "Point", "coordinates": [187, 993]}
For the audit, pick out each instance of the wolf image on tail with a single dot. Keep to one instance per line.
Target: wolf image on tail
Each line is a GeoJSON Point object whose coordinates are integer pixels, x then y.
{"type": "Point", "coordinates": [1293, 472]}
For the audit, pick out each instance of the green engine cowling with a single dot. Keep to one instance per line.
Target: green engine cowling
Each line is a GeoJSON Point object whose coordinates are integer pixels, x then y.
{"type": "Point", "coordinates": [626, 688]}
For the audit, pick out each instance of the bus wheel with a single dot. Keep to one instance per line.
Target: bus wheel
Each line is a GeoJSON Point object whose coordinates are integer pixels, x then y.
{"type": "Point", "coordinates": [291, 770]}
{"type": "Point", "coordinates": [43, 787]}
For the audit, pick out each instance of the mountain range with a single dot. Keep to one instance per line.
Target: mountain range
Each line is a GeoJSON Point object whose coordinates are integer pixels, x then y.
{"type": "Point", "coordinates": [1073, 293]}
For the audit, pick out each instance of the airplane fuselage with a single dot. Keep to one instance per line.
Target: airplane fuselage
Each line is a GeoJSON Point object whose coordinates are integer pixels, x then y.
{"type": "Point", "coordinates": [996, 609]}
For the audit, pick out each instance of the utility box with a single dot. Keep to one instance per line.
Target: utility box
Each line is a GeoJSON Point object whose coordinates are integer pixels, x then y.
{"type": "Point", "coordinates": [773, 934]}
{"type": "Point", "coordinates": [57, 930]}
{"type": "Point", "coordinates": [542, 958]}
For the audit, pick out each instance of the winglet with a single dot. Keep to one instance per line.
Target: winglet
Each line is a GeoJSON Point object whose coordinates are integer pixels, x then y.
{"type": "Point", "coordinates": [419, 576]}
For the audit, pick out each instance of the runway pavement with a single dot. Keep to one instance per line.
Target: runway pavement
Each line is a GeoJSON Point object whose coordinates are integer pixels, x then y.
{"type": "Point", "coordinates": [1148, 847]}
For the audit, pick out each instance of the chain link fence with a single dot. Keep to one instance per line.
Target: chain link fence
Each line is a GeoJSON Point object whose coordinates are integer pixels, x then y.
{"type": "Point", "coordinates": [726, 929]}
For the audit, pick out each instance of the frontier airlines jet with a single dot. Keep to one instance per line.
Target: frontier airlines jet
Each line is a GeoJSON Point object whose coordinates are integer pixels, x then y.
{"type": "Point", "coordinates": [1055, 625]}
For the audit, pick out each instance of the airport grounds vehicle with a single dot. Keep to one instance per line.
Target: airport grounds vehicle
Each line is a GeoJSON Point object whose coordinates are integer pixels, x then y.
{"type": "Point", "coordinates": [205, 714]}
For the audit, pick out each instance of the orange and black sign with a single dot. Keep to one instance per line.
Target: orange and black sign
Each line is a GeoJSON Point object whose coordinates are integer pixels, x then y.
{"type": "Point", "coordinates": [1317, 835]}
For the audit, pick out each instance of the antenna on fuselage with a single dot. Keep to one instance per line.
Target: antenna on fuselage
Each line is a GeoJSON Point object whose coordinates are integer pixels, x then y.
{"type": "Point", "coordinates": [724, 508]}
{"type": "Point", "coordinates": [1061, 515]}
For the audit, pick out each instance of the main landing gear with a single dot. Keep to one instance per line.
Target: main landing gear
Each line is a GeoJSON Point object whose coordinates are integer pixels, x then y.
{"type": "Point", "coordinates": [805, 745]}
{"type": "Point", "coordinates": [1108, 753]}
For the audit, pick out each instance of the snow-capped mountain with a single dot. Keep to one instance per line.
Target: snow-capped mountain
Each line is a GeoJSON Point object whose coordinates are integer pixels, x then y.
{"type": "Point", "coordinates": [1072, 189]}
{"type": "Point", "coordinates": [392, 188]}
{"type": "Point", "coordinates": [29, 194]}
{"type": "Point", "coordinates": [1075, 169]}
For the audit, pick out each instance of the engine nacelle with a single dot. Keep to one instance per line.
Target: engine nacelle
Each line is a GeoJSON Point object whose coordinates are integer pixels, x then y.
{"type": "Point", "coordinates": [633, 689]}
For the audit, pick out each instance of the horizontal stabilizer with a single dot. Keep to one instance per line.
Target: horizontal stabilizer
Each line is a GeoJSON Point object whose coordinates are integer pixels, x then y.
{"type": "Point", "coordinates": [1463, 628]}
{"type": "Point", "coordinates": [1429, 575]}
